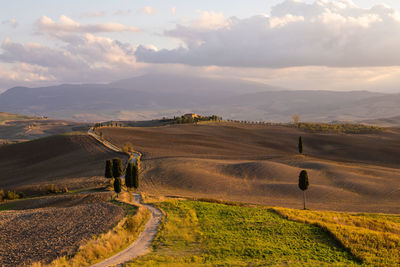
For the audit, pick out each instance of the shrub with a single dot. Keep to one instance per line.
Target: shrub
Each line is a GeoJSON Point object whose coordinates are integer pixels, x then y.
{"type": "Point", "coordinates": [127, 148]}
{"type": "Point", "coordinates": [2, 195]}
{"type": "Point", "coordinates": [11, 195]}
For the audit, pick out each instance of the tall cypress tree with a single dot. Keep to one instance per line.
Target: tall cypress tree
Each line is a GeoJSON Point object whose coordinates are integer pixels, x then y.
{"type": "Point", "coordinates": [117, 185]}
{"type": "Point", "coordinates": [129, 175]}
{"type": "Point", "coordinates": [108, 170]}
{"type": "Point", "coordinates": [135, 174]}
{"type": "Point", "coordinates": [300, 145]}
{"type": "Point", "coordinates": [303, 184]}
{"type": "Point", "coordinates": [117, 169]}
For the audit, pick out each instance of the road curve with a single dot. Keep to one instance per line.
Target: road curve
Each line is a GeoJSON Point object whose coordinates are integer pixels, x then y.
{"type": "Point", "coordinates": [142, 244]}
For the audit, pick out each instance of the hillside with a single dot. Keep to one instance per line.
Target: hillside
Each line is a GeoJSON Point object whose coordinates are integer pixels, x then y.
{"type": "Point", "coordinates": [260, 164]}
{"type": "Point", "coordinates": [16, 127]}
{"type": "Point", "coordinates": [151, 96]}
{"type": "Point", "coordinates": [384, 122]}
{"type": "Point", "coordinates": [74, 161]}
{"type": "Point", "coordinates": [164, 95]}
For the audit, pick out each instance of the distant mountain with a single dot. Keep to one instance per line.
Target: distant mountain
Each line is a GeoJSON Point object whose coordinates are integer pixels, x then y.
{"type": "Point", "coordinates": [384, 122]}
{"type": "Point", "coordinates": [157, 95]}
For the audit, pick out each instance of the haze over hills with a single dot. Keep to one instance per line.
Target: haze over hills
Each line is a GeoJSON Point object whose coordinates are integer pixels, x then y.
{"type": "Point", "coordinates": [157, 95]}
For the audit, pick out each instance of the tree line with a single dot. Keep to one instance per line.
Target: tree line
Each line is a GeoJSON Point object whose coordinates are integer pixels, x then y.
{"type": "Point", "coordinates": [114, 169]}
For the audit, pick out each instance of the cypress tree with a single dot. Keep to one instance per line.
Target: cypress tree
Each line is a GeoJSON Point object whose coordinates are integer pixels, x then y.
{"type": "Point", "coordinates": [300, 145]}
{"type": "Point", "coordinates": [135, 176]}
{"type": "Point", "coordinates": [109, 167]}
{"type": "Point", "coordinates": [117, 169]}
{"type": "Point", "coordinates": [117, 185]}
{"type": "Point", "coordinates": [128, 175]}
{"type": "Point", "coordinates": [303, 184]}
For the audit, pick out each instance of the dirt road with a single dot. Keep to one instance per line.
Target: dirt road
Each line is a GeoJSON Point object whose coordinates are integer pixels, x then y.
{"type": "Point", "coordinates": [142, 245]}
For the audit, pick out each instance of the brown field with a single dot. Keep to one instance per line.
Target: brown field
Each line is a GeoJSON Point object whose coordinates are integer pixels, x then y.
{"type": "Point", "coordinates": [260, 164]}
{"type": "Point", "coordinates": [17, 128]}
{"type": "Point", "coordinates": [46, 228]}
{"type": "Point", "coordinates": [73, 161]}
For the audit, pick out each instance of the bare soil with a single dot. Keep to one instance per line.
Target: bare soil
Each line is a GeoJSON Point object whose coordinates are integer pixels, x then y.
{"type": "Point", "coordinates": [52, 227]}
{"type": "Point", "coordinates": [260, 164]}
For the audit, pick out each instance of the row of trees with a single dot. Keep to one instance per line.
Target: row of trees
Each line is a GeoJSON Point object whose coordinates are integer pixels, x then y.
{"type": "Point", "coordinates": [114, 169]}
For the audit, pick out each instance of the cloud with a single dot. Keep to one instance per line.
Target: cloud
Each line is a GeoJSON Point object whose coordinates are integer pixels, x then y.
{"type": "Point", "coordinates": [66, 24]}
{"type": "Point", "coordinates": [81, 58]}
{"type": "Point", "coordinates": [323, 33]}
{"type": "Point", "coordinates": [210, 20]}
{"type": "Point", "coordinates": [37, 54]}
{"type": "Point", "coordinates": [95, 14]}
{"type": "Point", "coordinates": [12, 22]}
{"type": "Point", "coordinates": [173, 10]}
{"type": "Point", "coordinates": [149, 10]}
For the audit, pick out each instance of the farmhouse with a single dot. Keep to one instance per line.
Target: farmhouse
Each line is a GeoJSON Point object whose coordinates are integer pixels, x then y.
{"type": "Point", "coordinates": [191, 115]}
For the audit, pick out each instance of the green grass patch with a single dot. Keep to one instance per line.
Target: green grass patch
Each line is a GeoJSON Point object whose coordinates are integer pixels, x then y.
{"type": "Point", "coordinates": [7, 206]}
{"type": "Point", "coordinates": [373, 238]}
{"type": "Point", "coordinates": [199, 233]}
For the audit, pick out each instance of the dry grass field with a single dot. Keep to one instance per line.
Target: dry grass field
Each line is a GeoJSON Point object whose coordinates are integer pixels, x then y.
{"type": "Point", "coordinates": [73, 161]}
{"type": "Point", "coordinates": [44, 229]}
{"type": "Point", "coordinates": [260, 164]}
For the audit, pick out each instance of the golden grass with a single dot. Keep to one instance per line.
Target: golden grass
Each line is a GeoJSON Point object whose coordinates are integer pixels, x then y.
{"type": "Point", "coordinates": [107, 244]}
{"type": "Point", "coordinates": [373, 238]}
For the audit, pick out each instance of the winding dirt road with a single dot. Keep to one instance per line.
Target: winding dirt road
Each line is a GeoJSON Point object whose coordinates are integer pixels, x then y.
{"type": "Point", "coordinates": [142, 244]}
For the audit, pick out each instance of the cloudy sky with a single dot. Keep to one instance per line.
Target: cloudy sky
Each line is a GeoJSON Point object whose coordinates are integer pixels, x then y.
{"type": "Point", "coordinates": [327, 45]}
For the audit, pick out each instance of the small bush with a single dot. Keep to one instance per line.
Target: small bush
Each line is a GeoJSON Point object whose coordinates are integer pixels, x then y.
{"type": "Point", "coordinates": [2, 195]}
{"type": "Point", "coordinates": [127, 148]}
{"type": "Point", "coordinates": [11, 195]}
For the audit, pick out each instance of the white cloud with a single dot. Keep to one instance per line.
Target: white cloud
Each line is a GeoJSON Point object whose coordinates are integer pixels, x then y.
{"type": "Point", "coordinates": [210, 20]}
{"type": "Point", "coordinates": [323, 33]}
{"type": "Point", "coordinates": [82, 58]}
{"type": "Point", "coordinates": [12, 22]}
{"type": "Point", "coordinates": [173, 10]}
{"type": "Point", "coordinates": [149, 10]}
{"type": "Point", "coordinates": [66, 24]}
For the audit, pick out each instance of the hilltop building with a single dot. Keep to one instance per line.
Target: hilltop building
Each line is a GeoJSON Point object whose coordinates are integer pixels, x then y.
{"type": "Point", "coordinates": [191, 115]}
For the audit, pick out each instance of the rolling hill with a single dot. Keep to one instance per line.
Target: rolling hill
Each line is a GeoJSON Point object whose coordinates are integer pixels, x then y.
{"type": "Point", "coordinates": [260, 164]}
{"type": "Point", "coordinates": [17, 128]}
{"type": "Point", "coordinates": [72, 161]}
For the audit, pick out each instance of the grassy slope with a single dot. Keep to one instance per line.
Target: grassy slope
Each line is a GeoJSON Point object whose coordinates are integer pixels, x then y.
{"type": "Point", "coordinates": [374, 238]}
{"type": "Point", "coordinates": [199, 233]}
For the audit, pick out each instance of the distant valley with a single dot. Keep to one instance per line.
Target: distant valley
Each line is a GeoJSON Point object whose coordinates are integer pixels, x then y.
{"type": "Point", "coordinates": [158, 95]}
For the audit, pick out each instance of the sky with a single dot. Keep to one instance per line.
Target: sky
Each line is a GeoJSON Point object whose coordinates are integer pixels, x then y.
{"type": "Point", "coordinates": [304, 45]}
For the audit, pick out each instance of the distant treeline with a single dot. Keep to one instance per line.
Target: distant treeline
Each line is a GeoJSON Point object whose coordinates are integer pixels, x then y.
{"type": "Point", "coordinates": [348, 128]}
{"type": "Point", "coordinates": [188, 119]}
